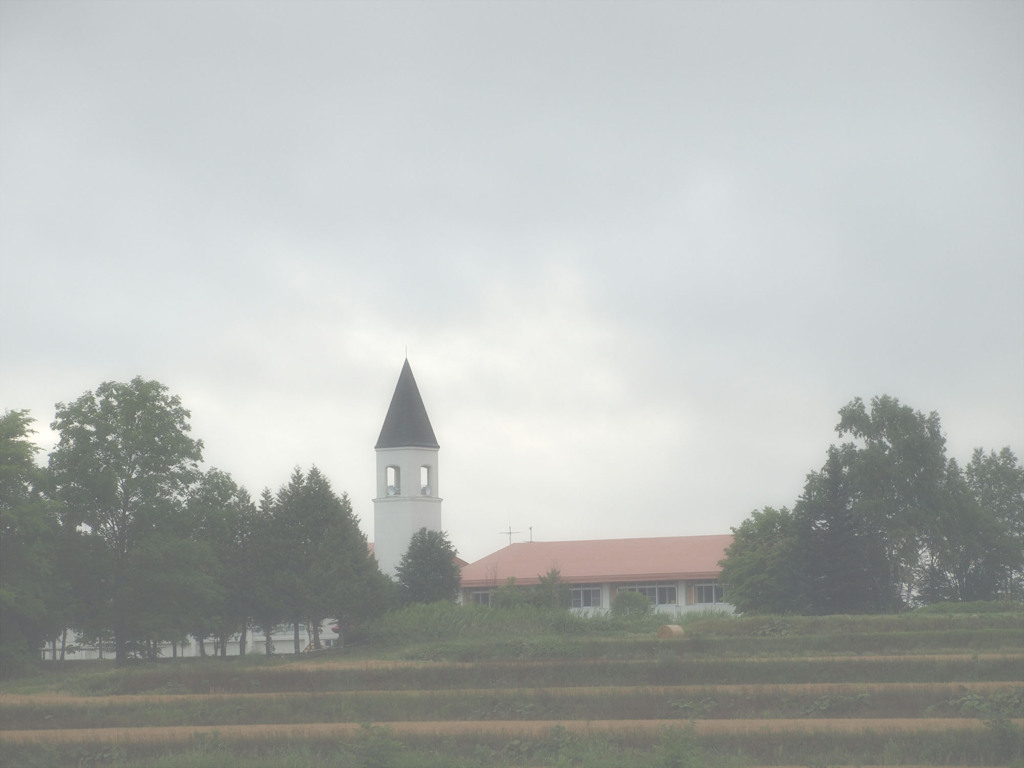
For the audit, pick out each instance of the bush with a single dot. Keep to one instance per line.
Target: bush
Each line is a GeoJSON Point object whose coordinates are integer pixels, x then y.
{"type": "Point", "coordinates": [632, 604]}
{"type": "Point", "coordinates": [508, 595]}
{"type": "Point", "coordinates": [678, 748]}
{"type": "Point", "coordinates": [994, 606]}
{"type": "Point", "coordinates": [446, 622]}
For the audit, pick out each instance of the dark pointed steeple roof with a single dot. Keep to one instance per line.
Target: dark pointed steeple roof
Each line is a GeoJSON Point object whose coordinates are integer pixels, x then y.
{"type": "Point", "coordinates": [406, 425]}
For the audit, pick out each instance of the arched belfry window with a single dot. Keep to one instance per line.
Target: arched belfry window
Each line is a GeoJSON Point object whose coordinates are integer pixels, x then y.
{"type": "Point", "coordinates": [426, 484]}
{"type": "Point", "coordinates": [394, 481]}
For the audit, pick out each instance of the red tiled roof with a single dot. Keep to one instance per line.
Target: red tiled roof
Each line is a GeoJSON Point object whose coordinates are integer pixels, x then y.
{"type": "Point", "coordinates": [664, 558]}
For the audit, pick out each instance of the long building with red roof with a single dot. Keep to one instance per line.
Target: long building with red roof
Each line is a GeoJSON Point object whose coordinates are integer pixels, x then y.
{"type": "Point", "coordinates": [677, 573]}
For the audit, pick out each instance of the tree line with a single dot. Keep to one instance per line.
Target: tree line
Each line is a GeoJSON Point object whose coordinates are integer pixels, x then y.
{"type": "Point", "coordinates": [888, 522]}
{"type": "Point", "coordinates": [123, 537]}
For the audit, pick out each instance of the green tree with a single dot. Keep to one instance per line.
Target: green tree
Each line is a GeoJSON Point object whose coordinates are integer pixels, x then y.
{"type": "Point", "coordinates": [958, 563]}
{"type": "Point", "coordinates": [551, 591]}
{"type": "Point", "coordinates": [429, 572]}
{"type": "Point", "coordinates": [896, 467]}
{"type": "Point", "coordinates": [222, 517]}
{"type": "Point", "coordinates": [346, 582]}
{"type": "Point", "coordinates": [270, 593]}
{"type": "Point", "coordinates": [82, 565]}
{"type": "Point", "coordinates": [762, 571]}
{"type": "Point", "coordinates": [509, 595]}
{"type": "Point", "coordinates": [28, 548]}
{"type": "Point", "coordinates": [976, 551]}
{"type": "Point", "coordinates": [122, 468]}
{"type": "Point", "coordinates": [996, 481]}
{"type": "Point", "coordinates": [304, 509]}
{"type": "Point", "coordinates": [887, 522]}
{"type": "Point", "coordinates": [842, 553]}
{"type": "Point", "coordinates": [315, 562]}
{"type": "Point", "coordinates": [175, 588]}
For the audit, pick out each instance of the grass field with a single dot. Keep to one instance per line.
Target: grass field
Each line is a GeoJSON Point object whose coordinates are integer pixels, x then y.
{"type": "Point", "coordinates": [495, 688]}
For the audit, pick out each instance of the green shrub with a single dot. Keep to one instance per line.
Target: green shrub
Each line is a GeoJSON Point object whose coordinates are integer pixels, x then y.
{"type": "Point", "coordinates": [508, 595]}
{"type": "Point", "coordinates": [995, 606]}
{"type": "Point", "coordinates": [678, 748]}
{"type": "Point", "coordinates": [376, 747]}
{"type": "Point", "coordinates": [440, 622]}
{"type": "Point", "coordinates": [631, 604]}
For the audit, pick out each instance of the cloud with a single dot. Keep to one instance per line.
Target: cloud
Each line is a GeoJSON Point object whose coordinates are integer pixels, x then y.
{"type": "Point", "coordinates": [639, 254]}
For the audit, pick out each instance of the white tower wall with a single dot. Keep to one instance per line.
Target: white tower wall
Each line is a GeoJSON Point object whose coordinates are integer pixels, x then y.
{"type": "Point", "coordinates": [399, 511]}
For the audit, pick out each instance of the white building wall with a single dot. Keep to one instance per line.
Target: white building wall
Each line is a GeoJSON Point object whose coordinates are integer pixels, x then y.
{"type": "Point", "coordinates": [399, 511]}
{"type": "Point", "coordinates": [608, 591]}
{"type": "Point", "coordinates": [282, 639]}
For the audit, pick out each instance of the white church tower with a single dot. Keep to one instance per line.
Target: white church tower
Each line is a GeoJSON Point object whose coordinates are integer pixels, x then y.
{"type": "Point", "coordinates": [407, 487]}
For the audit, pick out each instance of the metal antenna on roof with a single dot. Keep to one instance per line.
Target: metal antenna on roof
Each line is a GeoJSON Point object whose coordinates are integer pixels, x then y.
{"type": "Point", "coordinates": [509, 533]}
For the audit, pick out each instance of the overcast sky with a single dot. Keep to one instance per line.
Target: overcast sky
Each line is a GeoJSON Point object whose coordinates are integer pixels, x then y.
{"type": "Point", "coordinates": [640, 253]}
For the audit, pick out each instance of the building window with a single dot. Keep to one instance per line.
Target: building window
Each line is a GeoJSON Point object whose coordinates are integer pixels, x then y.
{"type": "Point", "coordinates": [708, 592]}
{"type": "Point", "coordinates": [394, 481]}
{"type": "Point", "coordinates": [425, 489]}
{"type": "Point", "coordinates": [480, 597]}
{"type": "Point", "coordinates": [585, 597]}
{"type": "Point", "coordinates": [659, 594]}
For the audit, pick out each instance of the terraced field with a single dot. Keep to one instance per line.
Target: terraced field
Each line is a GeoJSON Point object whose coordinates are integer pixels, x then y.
{"type": "Point", "coordinates": [724, 695]}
